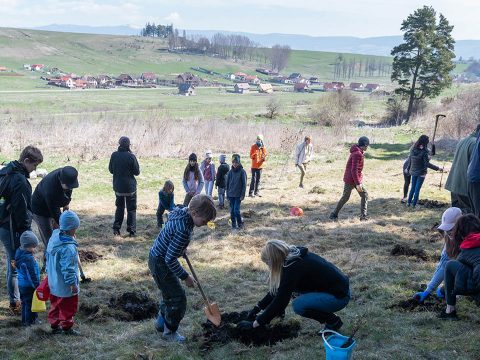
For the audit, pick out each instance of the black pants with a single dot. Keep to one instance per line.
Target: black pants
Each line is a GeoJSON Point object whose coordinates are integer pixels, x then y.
{"type": "Point", "coordinates": [174, 301]}
{"type": "Point", "coordinates": [451, 269]}
{"type": "Point", "coordinates": [254, 184]}
{"type": "Point", "coordinates": [474, 196]}
{"type": "Point", "coordinates": [160, 212]}
{"type": "Point", "coordinates": [462, 202]}
{"type": "Point", "coordinates": [406, 184]}
{"type": "Point", "coordinates": [131, 203]}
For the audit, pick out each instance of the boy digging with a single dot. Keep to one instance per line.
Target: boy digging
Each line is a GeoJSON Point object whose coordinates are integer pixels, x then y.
{"type": "Point", "coordinates": [62, 271]}
{"type": "Point", "coordinates": [166, 270]}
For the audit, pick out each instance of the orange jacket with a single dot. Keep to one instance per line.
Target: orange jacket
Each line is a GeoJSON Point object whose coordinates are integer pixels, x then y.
{"type": "Point", "coordinates": [258, 156]}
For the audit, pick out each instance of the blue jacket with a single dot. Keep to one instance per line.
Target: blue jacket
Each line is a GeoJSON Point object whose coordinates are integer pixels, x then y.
{"type": "Point", "coordinates": [62, 264]}
{"type": "Point", "coordinates": [473, 171]}
{"type": "Point", "coordinates": [27, 269]}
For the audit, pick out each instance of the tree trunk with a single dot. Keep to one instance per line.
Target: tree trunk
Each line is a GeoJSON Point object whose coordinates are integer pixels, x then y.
{"type": "Point", "coordinates": [412, 95]}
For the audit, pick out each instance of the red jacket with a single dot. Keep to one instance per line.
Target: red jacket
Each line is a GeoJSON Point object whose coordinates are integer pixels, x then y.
{"type": "Point", "coordinates": [471, 241]}
{"type": "Point", "coordinates": [353, 172]}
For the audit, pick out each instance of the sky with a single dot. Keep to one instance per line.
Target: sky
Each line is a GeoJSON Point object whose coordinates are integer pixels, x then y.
{"type": "Point", "coordinates": [360, 18]}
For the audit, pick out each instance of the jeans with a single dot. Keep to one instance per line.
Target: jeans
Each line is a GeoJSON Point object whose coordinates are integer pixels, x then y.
{"type": "Point", "coordinates": [12, 280]}
{"type": "Point", "coordinates": [417, 182]}
{"type": "Point", "coordinates": [303, 170]}
{"type": "Point", "coordinates": [235, 214]}
{"type": "Point", "coordinates": [319, 306]}
{"type": "Point", "coordinates": [209, 187]}
{"type": "Point", "coordinates": [131, 203]}
{"type": "Point", "coordinates": [255, 183]}
{"type": "Point", "coordinates": [451, 270]}
{"type": "Point", "coordinates": [474, 196]}
{"type": "Point", "coordinates": [406, 184]}
{"type": "Point", "coordinates": [174, 301]}
{"type": "Point", "coordinates": [347, 191]}
{"type": "Point", "coordinates": [221, 196]}
{"type": "Point", "coordinates": [26, 295]}
{"type": "Point", "coordinates": [45, 229]}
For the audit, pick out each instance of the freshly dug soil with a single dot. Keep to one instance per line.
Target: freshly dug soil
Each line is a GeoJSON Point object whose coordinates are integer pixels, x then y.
{"type": "Point", "coordinates": [227, 332]}
{"type": "Point", "coordinates": [138, 304]}
{"type": "Point", "coordinates": [89, 256]}
{"type": "Point", "coordinates": [413, 305]}
{"type": "Point", "coordinates": [399, 250]}
{"type": "Point", "coordinates": [432, 204]}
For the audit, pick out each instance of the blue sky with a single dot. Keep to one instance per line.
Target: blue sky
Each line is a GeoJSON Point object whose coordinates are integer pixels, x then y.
{"type": "Point", "coordinates": [362, 18]}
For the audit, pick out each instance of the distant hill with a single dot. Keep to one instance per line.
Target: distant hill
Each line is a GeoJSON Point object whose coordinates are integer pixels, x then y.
{"type": "Point", "coordinates": [380, 46]}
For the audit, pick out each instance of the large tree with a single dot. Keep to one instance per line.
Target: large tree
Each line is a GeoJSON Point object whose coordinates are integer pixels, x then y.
{"type": "Point", "coordinates": [423, 62]}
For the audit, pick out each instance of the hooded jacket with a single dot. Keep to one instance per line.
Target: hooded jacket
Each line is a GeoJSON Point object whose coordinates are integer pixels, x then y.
{"type": "Point", "coordinates": [62, 264]}
{"type": "Point", "coordinates": [353, 171]}
{"type": "Point", "coordinates": [304, 274]}
{"type": "Point", "coordinates": [303, 153]}
{"type": "Point", "coordinates": [124, 167]}
{"type": "Point", "coordinates": [49, 196]}
{"type": "Point", "coordinates": [467, 279]}
{"type": "Point", "coordinates": [420, 162]}
{"type": "Point", "coordinates": [27, 269]}
{"type": "Point", "coordinates": [457, 180]}
{"type": "Point", "coordinates": [17, 192]}
{"type": "Point", "coordinates": [222, 172]}
{"type": "Point", "coordinates": [236, 182]}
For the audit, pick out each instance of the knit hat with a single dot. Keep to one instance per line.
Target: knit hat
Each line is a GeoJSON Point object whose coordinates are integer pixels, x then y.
{"type": "Point", "coordinates": [124, 142]}
{"type": "Point", "coordinates": [222, 158]}
{"type": "Point", "coordinates": [69, 177]}
{"type": "Point", "coordinates": [236, 158]}
{"type": "Point", "coordinates": [28, 239]}
{"type": "Point", "coordinates": [69, 221]}
{"type": "Point", "coordinates": [260, 137]}
{"type": "Point", "coordinates": [363, 141]}
{"type": "Point", "coordinates": [192, 157]}
{"type": "Point", "coordinates": [449, 218]}
{"type": "Point", "coordinates": [208, 154]}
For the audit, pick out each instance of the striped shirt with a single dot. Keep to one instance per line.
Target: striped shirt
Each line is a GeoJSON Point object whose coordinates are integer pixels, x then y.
{"type": "Point", "coordinates": [173, 240]}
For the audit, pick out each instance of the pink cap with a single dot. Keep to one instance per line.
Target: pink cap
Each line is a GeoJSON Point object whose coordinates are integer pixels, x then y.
{"type": "Point", "coordinates": [449, 218]}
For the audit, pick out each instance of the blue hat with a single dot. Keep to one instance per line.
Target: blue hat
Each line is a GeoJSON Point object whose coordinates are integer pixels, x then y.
{"type": "Point", "coordinates": [69, 221]}
{"type": "Point", "coordinates": [28, 239]}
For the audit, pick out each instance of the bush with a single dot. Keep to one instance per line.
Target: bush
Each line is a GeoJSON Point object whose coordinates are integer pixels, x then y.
{"type": "Point", "coordinates": [273, 108]}
{"type": "Point", "coordinates": [395, 113]}
{"type": "Point", "coordinates": [464, 115]}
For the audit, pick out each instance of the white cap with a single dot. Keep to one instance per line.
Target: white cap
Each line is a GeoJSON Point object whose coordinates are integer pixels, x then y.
{"type": "Point", "coordinates": [449, 218]}
{"type": "Point", "coordinates": [208, 154]}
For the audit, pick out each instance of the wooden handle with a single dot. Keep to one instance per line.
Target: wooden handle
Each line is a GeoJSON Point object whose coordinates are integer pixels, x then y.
{"type": "Point", "coordinates": [196, 279]}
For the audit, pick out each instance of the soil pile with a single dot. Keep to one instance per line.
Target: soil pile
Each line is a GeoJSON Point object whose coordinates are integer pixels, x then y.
{"type": "Point", "coordinates": [227, 331]}
{"type": "Point", "coordinates": [412, 305]}
{"type": "Point", "coordinates": [432, 204]}
{"type": "Point", "coordinates": [137, 304]}
{"type": "Point", "coordinates": [89, 256]}
{"type": "Point", "coordinates": [399, 250]}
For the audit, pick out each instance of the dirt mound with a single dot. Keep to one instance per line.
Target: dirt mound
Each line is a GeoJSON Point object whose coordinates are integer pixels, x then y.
{"type": "Point", "coordinates": [137, 304]}
{"type": "Point", "coordinates": [432, 204]}
{"type": "Point", "coordinates": [413, 305]}
{"type": "Point", "coordinates": [89, 256]}
{"type": "Point", "coordinates": [249, 214]}
{"type": "Point", "coordinates": [399, 250]}
{"type": "Point", "coordinates": [317, 190]}
{"type": "Point", "coordinates": [227, 332]}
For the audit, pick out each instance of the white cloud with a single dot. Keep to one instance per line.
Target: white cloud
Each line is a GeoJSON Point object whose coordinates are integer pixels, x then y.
{"type": "Point", "coordinates": [174, 18]}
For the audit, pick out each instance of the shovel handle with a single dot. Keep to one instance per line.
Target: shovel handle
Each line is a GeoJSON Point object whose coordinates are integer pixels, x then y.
{"type": "Point", "coordinates": [196, 279]}
{"type": "Point", "coordinates": [82, 275]}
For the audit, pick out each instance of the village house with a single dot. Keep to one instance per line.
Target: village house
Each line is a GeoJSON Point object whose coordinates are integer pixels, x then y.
{"type": "Point", "coordinates": [124, 79]}
{"type": "Point", "coordinates": [67, 81]}
{"type": "Point", "coordinates": [27, 67]}
{"type": "Point", "coordinates": [92, 83]}
{"type": "Point", "coordinates": [104, 81]}
{"type": "Point", "coordinates": [242, 88]}
{"type": "Point", "coordinates": [338, 85]}
{"type": "Point", "coordinates": [37, 67]}
{"type": "Point", "coordinates": [186, 89]}
{"type": "Point", "coordinates": [300, 87]}
{"type": "Point", "coordinates": [356, 86]}
{"type": "Point", "coordinates": [265, 88]}
{"type": "Point", "coordinates": [295, 76]}
{"type": "Point", "coordinates": [240, 76]}
{"type": "Point", "coordinates": [149, 77]}
{"type": "Point", "coordinates": [329, 87]}
{"type": "Point", "coordinates": [188, 78]}
{"type": "Point", "coordinates": [3, 68]}
{"type": "Point", "coordinates": [372, 87]}
{"type": "Point", "coordinates": [252, 79]}
{"type": "Point", "coordinates": [80, 84]}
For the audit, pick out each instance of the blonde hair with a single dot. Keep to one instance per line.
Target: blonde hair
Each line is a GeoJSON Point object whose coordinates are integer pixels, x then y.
{"type": "Point", "coordinates": [203, 206]}
{"type": "Point", "coordinates": [274, 255]}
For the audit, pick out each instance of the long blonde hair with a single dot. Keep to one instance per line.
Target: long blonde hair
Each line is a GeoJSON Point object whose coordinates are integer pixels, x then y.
{"type": "Point", "coordinates": [274, 255]}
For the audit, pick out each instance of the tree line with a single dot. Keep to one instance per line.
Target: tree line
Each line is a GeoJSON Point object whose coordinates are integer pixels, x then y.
{"type": "Point", "coordinates": [364, 67]}
{"type": "Point", "coordinates": [161, 31]}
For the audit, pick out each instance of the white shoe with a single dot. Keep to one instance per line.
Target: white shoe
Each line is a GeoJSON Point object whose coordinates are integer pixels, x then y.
{"type": "Point", "coordinates": [172, 336]}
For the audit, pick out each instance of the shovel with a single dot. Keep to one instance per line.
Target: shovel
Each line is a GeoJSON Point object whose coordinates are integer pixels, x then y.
{"type": "Point", "coordinates": [211, 309]}
{"type": "Point", "coordinates": [82, 275]}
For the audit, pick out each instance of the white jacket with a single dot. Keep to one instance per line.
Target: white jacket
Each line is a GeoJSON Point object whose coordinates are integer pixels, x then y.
{"type": "Point", "coordinates": [303, 153]}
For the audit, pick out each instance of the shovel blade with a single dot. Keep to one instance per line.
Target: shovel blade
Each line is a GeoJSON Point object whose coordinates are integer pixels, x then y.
{"type": "Point", "coordinates": [213, 314]}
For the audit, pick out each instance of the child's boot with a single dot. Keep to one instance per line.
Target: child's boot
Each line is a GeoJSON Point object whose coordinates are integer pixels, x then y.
{"type": "Point", "coordinates": [172, 336]}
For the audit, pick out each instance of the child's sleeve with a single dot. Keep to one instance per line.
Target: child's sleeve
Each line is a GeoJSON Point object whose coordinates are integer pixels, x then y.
{"type": "Point", "coordinates": [69, 266]}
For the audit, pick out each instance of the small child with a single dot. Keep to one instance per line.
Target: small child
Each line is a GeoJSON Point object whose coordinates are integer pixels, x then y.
{"type": "Point", "coordinates": [207, 167]}
{"type": "Point", "coordinates": [221, 180]}
{"type": "Point", "coordinates": [165, 201]}
{"type": "Point", "coordinates": [236, 187]}
{"type": "Point", "coordinates": [192, 179]}
{"type": "Point", "coordinates": [28, 275]}
{"type": "Point", "coordinates": [166, 270]}
{"type": "Point", "coordinates": [62, 271]}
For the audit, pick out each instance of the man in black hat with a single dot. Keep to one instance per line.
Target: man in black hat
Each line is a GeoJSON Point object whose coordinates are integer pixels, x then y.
{"type": "Point", "coordinates": [52, 193]}
{"type": "Point", "coordinates": [124, 167]}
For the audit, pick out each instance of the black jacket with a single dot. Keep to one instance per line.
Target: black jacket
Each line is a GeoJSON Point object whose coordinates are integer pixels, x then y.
{"type": "Point", "coordinates": [467, 279]}
{"type": "Point", "coordinates": [124, 167]}
{"type": "Point", "coordinates": [236, 182]}
{"type": "Point", "coordinates": [49, 196]}
{"type": "Point", "coordinates": [304, 274]}
{"type": "Point", "coordinates": [419, 162]}
{"type": "Point", "coordinates": [17, 192]}
{"type": "Point", "coordinates": [222, 171]}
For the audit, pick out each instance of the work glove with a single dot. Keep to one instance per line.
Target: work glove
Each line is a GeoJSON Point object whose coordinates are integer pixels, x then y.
{"type": "Point", "coordinates": [245, 325]}
{"type": "Point", "coordinates": [440, 293]}
{"type": "Point", "coordinates": [252, 314]}
{"type": "Point", "coordinates": [421, 296]}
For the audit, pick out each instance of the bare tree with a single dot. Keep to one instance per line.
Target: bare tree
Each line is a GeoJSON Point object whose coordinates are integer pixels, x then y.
{"type": "Point", "coordinates": [279, 56]}
{"type": "Point", "coordinates": [273, 108]}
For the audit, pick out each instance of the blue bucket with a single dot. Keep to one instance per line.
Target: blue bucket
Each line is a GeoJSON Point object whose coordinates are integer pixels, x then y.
{"type": "Point", "coordinates": [333, 346]}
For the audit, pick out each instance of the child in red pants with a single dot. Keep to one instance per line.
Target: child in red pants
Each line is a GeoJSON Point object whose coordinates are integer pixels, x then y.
{"type": "Point", "coordinates": [62, 271]}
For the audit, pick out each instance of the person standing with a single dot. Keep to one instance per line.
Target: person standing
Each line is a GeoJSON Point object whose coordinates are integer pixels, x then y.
{"type": "Point", "coordinates": [236, 188]}
{"type": "Point", "coordinates": [303, 155]}
{"type": "Point", "coordinates": [221, 180]}
{"type": "Point", "coordinates": [15, 212]}
{"type": "Point", "coordinates": [258, 154]}
{"type": "Point", "coordinates": [192, 179]}
{"type": "Point", "coordinates": [124, 167]}
{"type": "Point", "coordinates": [207, 167]}
{"type": "Point", "coordinates": [52, 193]}
{"type": "Point", "coordinates": [457, 182]}
{"type": "Point", "coordinates": [473, 178]}
{"type": "Point", "coordinates": [353, 178]}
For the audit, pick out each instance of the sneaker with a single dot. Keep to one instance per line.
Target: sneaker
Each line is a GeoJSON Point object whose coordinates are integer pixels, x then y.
{"type": "Point", "coordinates": [335, 326]}
{"type": "Point", "coordinates": [364, 218]}
{"type": "Point", "coordinates": [56, 331]}
{"type": "Point", "coordinates": [333, 217]}
{"type": "Point", "coordinates": [404, 200]}
{"type": "Point", "coordinates": [251, 195]}
{"type": "Point", "coordinates": [160, 323]}
{"type": "Point", "coordinates": [16, 308]}
{"type": "Point", "coordinates": [71, 332]}
{"type": "Point", "coordinates": [116, 232]}
{"type": "Point", "coordinates": [451, 316]}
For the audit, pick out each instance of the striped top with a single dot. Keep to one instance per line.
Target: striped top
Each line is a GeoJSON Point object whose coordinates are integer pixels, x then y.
{"type": "Point", "coordinates": [173, 240]}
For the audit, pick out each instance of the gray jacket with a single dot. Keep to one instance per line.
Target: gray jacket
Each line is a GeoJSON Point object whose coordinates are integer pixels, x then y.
{"type": "Point", "coordinates": [236, 182]}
